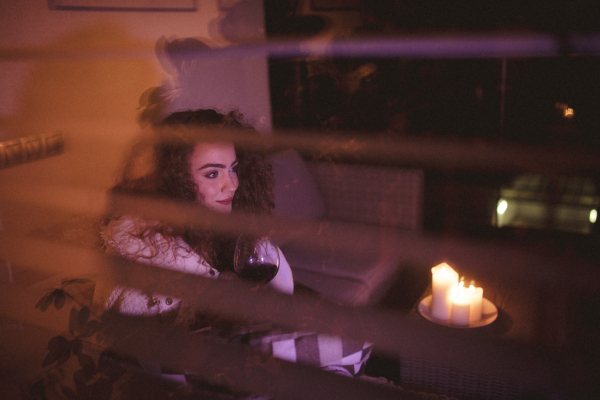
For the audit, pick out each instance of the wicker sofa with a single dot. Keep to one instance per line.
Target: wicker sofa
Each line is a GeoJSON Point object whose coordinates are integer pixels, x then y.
{"type": "Point", "coordinates": [357, 197]}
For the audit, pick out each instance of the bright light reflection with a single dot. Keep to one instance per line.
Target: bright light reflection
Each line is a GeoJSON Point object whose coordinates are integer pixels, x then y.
{"type": "Point", "coordinates": [593, 216]}
{"type": "Point", "coordinates": [568, 112]}
{"type": "Point", "coordinates": [502, 206]}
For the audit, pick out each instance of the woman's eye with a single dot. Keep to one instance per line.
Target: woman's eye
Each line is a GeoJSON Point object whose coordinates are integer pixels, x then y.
{"type": "Point", "coordinates": [212, 175]}
{"type": "Point", "coordinates": [234, 168]}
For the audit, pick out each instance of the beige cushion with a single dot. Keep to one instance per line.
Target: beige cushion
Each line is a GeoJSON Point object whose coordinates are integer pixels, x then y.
{"type": "Point", "coordinates": [358, 277]}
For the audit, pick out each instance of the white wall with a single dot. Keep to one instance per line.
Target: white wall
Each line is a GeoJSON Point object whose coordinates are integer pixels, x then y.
{"type": "Point", "coordinates": [82, 73]}
{"type": "Point", "coordinates": [30, 24]}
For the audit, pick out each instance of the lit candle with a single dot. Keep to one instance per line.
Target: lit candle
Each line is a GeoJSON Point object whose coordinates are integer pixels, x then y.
{"type": "Point", "coordinates": [461, 306]}
{"type": "Point", "coordinates": [476, 295]}
{"type": "Point", "coordinates": [444, 278]}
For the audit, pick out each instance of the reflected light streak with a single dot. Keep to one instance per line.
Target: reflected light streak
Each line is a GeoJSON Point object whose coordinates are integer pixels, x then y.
{"type": "Point", "coordinates": [593, 216]}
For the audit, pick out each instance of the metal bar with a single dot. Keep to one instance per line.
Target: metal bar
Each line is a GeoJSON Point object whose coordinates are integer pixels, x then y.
{"type": "Point", "coordinates": [413, 46]}
{"type": "Point", "coordinates": [437, 153]}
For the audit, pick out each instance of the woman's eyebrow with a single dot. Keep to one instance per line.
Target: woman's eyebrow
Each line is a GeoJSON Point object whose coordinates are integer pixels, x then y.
{"type": "Point", "coordinates": [211, 166]}
{"type": "Point", "coordinates": [215, 165]}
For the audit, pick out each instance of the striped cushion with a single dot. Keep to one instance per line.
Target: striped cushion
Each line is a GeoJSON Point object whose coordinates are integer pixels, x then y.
{"type": "Point", "coordinates": [332, 353]}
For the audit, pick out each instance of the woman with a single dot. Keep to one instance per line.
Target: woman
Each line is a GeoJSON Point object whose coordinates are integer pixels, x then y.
{"type": "Point", "coordinates": [223, 179]}
{"type": "Point", "coordinates": [215, 175]}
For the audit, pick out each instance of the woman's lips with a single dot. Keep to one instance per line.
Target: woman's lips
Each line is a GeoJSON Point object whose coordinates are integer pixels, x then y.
{"type": "Point", "coordinates": [225, 202]}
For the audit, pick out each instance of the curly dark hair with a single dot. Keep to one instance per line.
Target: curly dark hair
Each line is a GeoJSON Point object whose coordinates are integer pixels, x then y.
{"type": "Point", "coordinates": [171, 178]}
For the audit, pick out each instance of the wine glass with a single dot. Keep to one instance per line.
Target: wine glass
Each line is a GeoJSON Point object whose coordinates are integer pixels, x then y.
{"type": "Point", "coordinates": [256, 259]}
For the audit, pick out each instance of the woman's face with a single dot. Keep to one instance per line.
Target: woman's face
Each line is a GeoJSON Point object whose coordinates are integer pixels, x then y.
{"type": "Point", "coordinates": [213, 169]}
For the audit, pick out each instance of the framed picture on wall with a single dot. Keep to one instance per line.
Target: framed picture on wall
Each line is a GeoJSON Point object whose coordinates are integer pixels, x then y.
{"type": "Point", "coordinates": [124, 5]}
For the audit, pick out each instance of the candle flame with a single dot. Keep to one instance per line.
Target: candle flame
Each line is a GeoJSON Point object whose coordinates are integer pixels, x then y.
{"type": "Point", "coordinates": [459, 291]}
{"type": "Point", "coordinates": [445, 271]}
{"type": "Point", "coordinates": [472, 288]}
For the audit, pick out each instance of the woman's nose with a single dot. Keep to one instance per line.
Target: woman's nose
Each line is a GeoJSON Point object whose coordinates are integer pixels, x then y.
{"type": "Point", "coordinates": [230, 183]}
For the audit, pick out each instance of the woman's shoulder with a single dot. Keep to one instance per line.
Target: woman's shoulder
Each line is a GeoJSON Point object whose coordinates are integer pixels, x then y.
{"type": "Point", "coordinates": [128, 235]}
{"type": "Point", "coordinates": [143, 240]}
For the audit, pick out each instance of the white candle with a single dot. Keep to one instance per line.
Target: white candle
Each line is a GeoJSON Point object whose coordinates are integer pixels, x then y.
{"type": "Point", "coordinates": [476, 295]}
{"type": "Point", "coordinates": [444, 278]}
{"type": "Point", "coordinates": [461, 306]}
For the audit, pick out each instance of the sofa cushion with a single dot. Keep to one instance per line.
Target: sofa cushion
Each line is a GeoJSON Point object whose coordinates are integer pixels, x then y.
{"type": "Point", "coordinates": [354, 274]}
{"type": "Point", "coordinates": [336, 289]}
{"type": "Point", "coordinates": [296, 193]}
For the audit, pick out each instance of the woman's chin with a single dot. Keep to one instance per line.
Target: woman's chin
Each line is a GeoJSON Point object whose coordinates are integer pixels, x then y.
{"type": "Point", "coordinates": [220, 208]}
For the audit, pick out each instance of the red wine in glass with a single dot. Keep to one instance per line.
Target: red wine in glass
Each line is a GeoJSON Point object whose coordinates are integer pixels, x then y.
{"type": "Point", "coordinates": [260, 273]}
{"type": "Point", "coordinates": [256, 259]}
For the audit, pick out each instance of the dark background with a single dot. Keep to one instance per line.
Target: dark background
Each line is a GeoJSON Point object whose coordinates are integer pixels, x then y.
{"type": "Point", "coordinates": [447, 98]}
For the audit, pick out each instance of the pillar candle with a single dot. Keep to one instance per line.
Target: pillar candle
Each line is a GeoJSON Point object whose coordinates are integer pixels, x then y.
{"type": "Point", "coordinates": [444, 278]}
{"type": "Point", "coordinates": [461, 306]}
{"type": "Point", "coordinates": [476, 295]}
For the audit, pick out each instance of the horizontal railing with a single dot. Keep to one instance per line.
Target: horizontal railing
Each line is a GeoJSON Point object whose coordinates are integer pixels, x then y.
{"type": "Point", "coordinates": [475, 45]}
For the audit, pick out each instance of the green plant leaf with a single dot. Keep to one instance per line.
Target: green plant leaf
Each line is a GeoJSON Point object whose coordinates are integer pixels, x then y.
{"type": "Point", "coordinates": [84, 315]}
{"type": "Point", "coordinates": [64, 355]}
{"type": "Point", "coordinates": [36, 390]}
{"type": "Point", "coordinates": [90, 328]}
{"type": "Point", "coordinates": [101, 337]}
{"type": "Point", "coordinates": [58, 350]}
{"type": "Point", "coordinates": [57, 342]}
{"type": "Point", "coordinates": [111, 365]}
{"type": "Point", "coordinates": [59, 298]}
{"type": "Point", "coordinates": [85, 334]}
{"type": "Point", "coordinates": [76, 346]}
{"type": "Point", "coordinates": [101, 390]}
{"type": "Point", "coordinates": [50, 358]}
{"type": "Point", "coordinates": [94, 326]}
{"type": "Point", "coordinates": [81, 378]}
{"type": "Point", "coordinates": [69, 393]}
{"type": "Point", "coordinates": [73, 320]}
{"type": "Point", "coordinates": [87, 363]}
{"type": "Point", "coordinates": [45, 301]}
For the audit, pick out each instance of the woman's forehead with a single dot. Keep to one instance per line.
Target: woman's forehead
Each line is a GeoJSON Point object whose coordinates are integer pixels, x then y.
{"type": "Point", "coordinates": [213, 152]}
